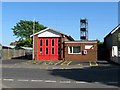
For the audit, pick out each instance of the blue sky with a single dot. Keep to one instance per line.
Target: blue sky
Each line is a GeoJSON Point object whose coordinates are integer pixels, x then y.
{"type": "Point", "coordinates": [102, 17]}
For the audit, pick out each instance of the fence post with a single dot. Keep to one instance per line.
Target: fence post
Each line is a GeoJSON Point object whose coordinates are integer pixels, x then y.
{"type": "Point", "coordinates": [19, 53]}
{"type": "Point", "coordinates": [14, 52]}
{"type": "Point", "coordinates": [8, 53]}
{"type": "Point", "coordinates": [24, 52]}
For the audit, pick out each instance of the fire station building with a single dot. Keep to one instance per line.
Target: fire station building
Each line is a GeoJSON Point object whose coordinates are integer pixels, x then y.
{"type": "Point", "coordinates": [51, 44]}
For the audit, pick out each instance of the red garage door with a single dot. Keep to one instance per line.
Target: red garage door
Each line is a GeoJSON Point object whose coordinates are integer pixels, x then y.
{"type": "Point", "coordinates": [48, 48]}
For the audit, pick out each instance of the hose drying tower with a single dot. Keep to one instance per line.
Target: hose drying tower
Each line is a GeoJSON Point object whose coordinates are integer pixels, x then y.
{"type": "Point", "coordinates": [84, 29]}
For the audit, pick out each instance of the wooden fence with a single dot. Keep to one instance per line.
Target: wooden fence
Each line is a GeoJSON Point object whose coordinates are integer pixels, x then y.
{"type": "Point", "coordinates": [8, 53]}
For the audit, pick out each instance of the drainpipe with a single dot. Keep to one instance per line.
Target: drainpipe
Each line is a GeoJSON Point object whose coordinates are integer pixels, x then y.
{"type": "Point", "coordinates": [62, 47]}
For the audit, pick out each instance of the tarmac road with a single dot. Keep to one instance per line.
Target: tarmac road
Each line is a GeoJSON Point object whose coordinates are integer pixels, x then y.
{"type": "Point", "coordinates": [35, 77]}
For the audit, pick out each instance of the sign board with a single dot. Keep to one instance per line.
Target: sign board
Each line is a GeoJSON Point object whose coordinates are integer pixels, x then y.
{"type": "Point", "coordinates": [89, 46]}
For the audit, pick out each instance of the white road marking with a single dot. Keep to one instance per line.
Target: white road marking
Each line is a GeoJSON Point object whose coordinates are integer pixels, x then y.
{"type": "Point", "coordinates": [62, 68]}
{"type": "Point", "coordinates": [65, 81]}
{"type": "Point", "coordinates": [44, 63]}
{"type": "Point", "coordinates": [50, 63]}
{"type": "Point", "coordinates": [8, 79]}
{"type": "Point", "coordinates": [54, 68]}
{"type": "Point", "coordinates": [23, 80]}
{"type": "Point", "coordinates": [80, 82]}
{"type": "Point", "coordinates": [53, 81]}
{"type": "Point", "coordinates": [49, 81]}
{"type": "Point", "coordinates": [95, 64]}
{"type": "Point", "coordinates": [96, 82]}
{"type": "Point", "coordinates": [36, 80]}
{"type": "Point", "coordinates": [69, 63]}
{"type": "Point", "coordinates": [63, 63]}
{"type": "Point", "coordinates": [58, 62]}
{"type": "Point", "coordinates": [80, 64]}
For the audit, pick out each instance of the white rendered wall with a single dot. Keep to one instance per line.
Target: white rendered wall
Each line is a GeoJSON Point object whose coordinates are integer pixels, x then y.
{"type": "Point", "coordinates": [49, 34]}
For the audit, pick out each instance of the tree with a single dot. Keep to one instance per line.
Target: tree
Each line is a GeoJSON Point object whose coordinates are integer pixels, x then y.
{"type": "Point", "coordinates": [99, 43]}
{"type": "Point", "coordinates": [23, 29]}
{"type": "Point", "coordinates": [26, 43]}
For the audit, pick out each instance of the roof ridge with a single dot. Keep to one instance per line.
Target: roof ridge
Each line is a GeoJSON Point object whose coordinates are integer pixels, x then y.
{"type": "Point", "coordinates": [48, 29]}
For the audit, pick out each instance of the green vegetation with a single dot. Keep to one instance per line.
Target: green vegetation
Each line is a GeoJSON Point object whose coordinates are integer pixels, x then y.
{"type": "Point", "coordinates": [99, 42]}
{"type": "Point", "coordinates": [23, 29]}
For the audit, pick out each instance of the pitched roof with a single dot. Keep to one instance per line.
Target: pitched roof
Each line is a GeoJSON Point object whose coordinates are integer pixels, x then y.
{"type": "Point", "coordinates": [81, 41]}
{"type": "Point", "coordinates": [114, 30]}
{"type": "Point", "coordinates": [8, 46]}
{"type": "Point", "coordinates": [53, 31]}
{"type": "Point", "coordinates": [27, 48]}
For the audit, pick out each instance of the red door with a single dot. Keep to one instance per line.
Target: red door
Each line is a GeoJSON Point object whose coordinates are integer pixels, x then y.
{"type": "Point", "coordinates": [48, 48]}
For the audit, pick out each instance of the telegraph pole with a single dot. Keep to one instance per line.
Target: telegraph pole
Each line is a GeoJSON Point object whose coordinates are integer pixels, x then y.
{"type": "Point", "coordinates": [33, 37]}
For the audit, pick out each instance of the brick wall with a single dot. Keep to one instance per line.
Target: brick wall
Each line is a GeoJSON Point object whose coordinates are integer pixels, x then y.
{"type": "Point", "coordinates": [36, 47]}
{"type": "Point", "coordinates": [90, 56]}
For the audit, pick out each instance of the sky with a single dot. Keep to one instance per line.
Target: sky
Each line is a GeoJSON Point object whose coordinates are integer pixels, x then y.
{"type": "Point", "coordinates": [62, 16]}
{"type": "Point", "coordinates": [119, 12]}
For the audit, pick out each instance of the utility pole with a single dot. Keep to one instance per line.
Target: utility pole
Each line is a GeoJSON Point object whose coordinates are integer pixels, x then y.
{"type": "Point", "coordinates": [33, 38]}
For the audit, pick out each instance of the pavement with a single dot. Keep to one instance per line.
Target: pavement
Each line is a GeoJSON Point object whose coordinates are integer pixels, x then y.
{"type": "Point", "coordinates": [59, 74]}
{"type": "Point", "coordinates": [46, 64]}
{"type": "Point", "coordinates": [18, 63]}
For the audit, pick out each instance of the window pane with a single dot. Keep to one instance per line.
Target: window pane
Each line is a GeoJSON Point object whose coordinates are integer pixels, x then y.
{"type": "Point", "coordinates": [70, 49]}
{"type": "Point", "coordinates": [58, 50]}
{"type": "Point", "coordinates": [52, 50]}
{"type": "Point", "coordinates": [46, 50]}
{"type": "Point", "coordinates": [40, 50]}
{"type": "Point", "coordinates": [76, 49]}
{"type": "Point", "coordinates": [40, 42]}
{"type": "Point", "coordinates": [52, 42]}
{"type": "Point", "coordinates": [59, 42]}
{"type": "Point", "coordinates": [46, 42]}
{"type": "Point", "coordinates": [118, 51]}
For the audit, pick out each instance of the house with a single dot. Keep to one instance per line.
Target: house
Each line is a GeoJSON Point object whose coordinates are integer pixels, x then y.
{"type": "Point", "coordinates": [13, 43]}
{"type": "Point", "coordinates": [112, 43]}
{"type": "Point", "coordinates": [51, 44]}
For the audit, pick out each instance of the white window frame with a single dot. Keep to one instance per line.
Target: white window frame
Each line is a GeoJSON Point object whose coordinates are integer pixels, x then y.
{"type": "Point", "coordinates": [72, 50]}
{"type": "Point", "coordinates": [114, 51]}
